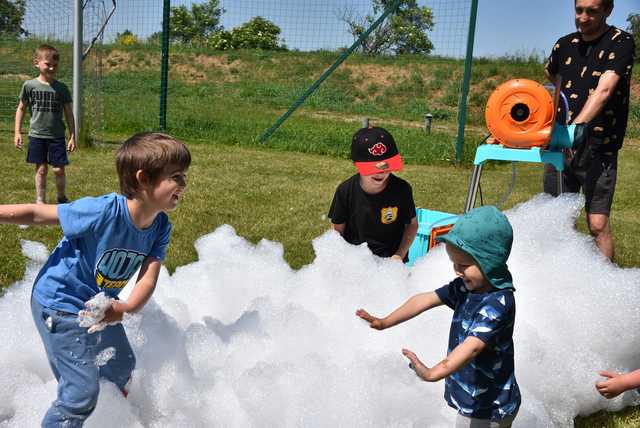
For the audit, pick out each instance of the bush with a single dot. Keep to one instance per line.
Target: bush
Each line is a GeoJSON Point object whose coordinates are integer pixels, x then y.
{"type": "Point", "coordinates": [126, 38]}
{"type": "Point", "coordinates": [258, 33]}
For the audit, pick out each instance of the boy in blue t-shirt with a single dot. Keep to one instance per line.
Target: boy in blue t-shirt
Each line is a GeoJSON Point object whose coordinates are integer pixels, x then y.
{"type": "Point", "coordinates": [479, 368]}
{"type": "Point", "coordinates": [106, 240]}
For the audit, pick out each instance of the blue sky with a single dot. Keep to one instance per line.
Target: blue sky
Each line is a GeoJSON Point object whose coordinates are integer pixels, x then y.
{"type": "Point", "coordinates": [515, 27]}
{"type": "Point", "coordinates": [508, 27]}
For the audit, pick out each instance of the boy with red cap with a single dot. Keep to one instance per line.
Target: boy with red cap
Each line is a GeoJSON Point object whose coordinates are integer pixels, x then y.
{"type": "Point", "coordinates": [375, 206]}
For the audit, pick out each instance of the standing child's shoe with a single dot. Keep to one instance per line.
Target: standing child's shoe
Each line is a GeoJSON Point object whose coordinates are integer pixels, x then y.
{"type": "Point", "coordinates": [63, 200]}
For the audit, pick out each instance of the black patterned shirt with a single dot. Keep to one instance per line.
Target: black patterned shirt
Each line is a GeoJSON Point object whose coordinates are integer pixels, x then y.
{"type": "Point", "coordinates": [580, 64]}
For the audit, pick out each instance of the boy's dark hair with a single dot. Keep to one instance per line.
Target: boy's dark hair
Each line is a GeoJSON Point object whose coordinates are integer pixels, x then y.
{"type": "Point", "coordinates": [607, 4]}
{"type": "Point", "coordinates": [151, 152]}
{"type": "Point", "coordinates": [46, 51]}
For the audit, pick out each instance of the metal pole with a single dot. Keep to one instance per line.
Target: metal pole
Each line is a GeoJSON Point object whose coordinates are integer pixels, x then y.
{"type": "Point", "coordinates": [392, 7]}
{"type": "Point", "coordinates": [462, 109]}
{"type": "Point", "coordinates": [473, 188]}
{"type": "Point", "coordinates": [164, 70]}
{"type": "Point", "coordinates": [77, 67]}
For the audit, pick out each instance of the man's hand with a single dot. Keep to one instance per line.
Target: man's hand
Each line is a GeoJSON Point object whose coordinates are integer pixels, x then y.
{"type": "Point", "coordinates": [71, 145]}
{"type": "Point", "coordinates": [374, 322]}
{"type": "Point", "coordinates": [613, 386]}
{"type": "Point", "coordinates": [581, 150]}
{"type": "Point", "coordinates": [17, 141]}
{"type": "Point", "coordinates": [416, 365]}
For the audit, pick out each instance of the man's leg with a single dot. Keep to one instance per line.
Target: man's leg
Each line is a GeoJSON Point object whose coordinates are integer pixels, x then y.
{"type": "Point", "coordinates": [599, 188]}
{"type": "Point", "coordinates": [601, 230]}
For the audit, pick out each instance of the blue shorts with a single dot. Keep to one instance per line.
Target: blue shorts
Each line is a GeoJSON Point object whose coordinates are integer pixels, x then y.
{"type": "Point", "coordinates": [44, 150]}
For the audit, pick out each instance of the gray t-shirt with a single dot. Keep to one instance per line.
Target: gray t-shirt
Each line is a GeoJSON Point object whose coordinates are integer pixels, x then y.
{"type": "Point", "coordinates": [45, 103]}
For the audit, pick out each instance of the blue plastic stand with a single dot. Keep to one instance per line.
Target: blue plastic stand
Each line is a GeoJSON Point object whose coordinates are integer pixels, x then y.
{"type": "Point", "coordinates": [487, 152]}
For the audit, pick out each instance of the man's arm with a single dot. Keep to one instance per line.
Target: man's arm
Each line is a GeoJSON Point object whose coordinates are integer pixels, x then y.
{"type": "Point", "coordinates": [17, 138]}
{"type": "Point", "coordinates": [29, 214]}
{"type": "Point", "coordinates": [71, 123]}
{"type": "Point", "coordinates": [141, 293]}
{"type": "Point", "coordinates": [598, 99]}
{"type": "Point", "coordinates": [412, 307]}
{"type": "Point", "coordinates": [458, 358]}
{"type": "Point", "coordinates": [409, 234]}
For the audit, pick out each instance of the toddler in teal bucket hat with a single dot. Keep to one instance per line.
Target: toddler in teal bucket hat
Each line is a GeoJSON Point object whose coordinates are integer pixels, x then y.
{"type": "Point", "coordinates": [479, 373]}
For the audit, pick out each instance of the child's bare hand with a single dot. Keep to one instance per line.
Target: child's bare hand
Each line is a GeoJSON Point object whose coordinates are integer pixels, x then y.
{"type": "Point", "coordinates": [612, 387]}
{"type": "Point", "coordinates": [374, 322]}
{"type": "Point", "coordinates": [71, 145]}
{"type": "Point", "coordinates": [397, 257]}
{"type": "Point", "coordinates": [415, 364]}
{"type": "Point", "coordinates": [115, 313]}
{"type": "Point", "coordinates": [17, 141]}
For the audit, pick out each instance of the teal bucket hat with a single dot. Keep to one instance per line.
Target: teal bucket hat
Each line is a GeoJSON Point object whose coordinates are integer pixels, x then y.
{"type": "Point", "coordinates": [486, 235]}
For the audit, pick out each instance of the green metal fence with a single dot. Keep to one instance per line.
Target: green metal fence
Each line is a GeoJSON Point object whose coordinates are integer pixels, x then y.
{"type": "Point", "coordinates": [235, 96]}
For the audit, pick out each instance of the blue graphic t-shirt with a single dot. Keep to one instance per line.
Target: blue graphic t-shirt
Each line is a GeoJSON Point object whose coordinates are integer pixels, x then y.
{"type": "Point", "coordinates": [486, 388]}
{"type": "Point", "coordinates": [100, 251]}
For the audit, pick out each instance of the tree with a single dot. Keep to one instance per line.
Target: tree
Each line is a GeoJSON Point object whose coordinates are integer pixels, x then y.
{"type": "Point", "coordinates": [197, 24]}
{"type": "Point", "coordinates": [11, 16]}
{"type": "Point", "coordinates": [634, 28]}
{"type": "Point", "coordinates": [404, 32]}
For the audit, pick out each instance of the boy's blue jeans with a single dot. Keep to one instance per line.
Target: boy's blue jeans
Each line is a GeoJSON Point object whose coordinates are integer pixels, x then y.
{"type": "Point", "coordinates": [72, 356]}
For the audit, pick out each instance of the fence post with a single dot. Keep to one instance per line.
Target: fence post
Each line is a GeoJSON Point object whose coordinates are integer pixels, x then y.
{"type": "Point", "coordinates": [77, 69]}
{"type": "Point", "coordinates": [462, 108]}
{"type": "Point", "coordinates": [392, 7]}
{"type": "Point", "coordinates": [164, 71]}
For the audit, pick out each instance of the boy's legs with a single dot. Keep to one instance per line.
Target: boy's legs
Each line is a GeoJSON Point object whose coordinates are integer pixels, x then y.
{"type": "Point", "coordinates": [118, 369]}
{"type": "Point", "coordinates": [57, 156]}
{"type": "Point", "coordinates": [37, 154]}
{"type": "Point", "coordinates": [71, 352]}
{"type": "Point", "coordinates": [467, 422]}
{"type": "Point", "coordinates": [41, 183]}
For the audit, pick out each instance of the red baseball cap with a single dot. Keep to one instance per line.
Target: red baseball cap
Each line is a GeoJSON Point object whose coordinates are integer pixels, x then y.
{"type": "Point", "coordinates": [373, 150]}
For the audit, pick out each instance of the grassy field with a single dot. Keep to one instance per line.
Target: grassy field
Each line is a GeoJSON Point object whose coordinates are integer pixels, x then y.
{"type": "Point", "coordinates": [220, 103]}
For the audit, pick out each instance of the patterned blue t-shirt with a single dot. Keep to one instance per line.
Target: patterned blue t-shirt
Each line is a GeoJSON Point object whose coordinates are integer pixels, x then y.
{"type": "Point", "coordinates": [486, 388]}
{"type": "Point", "coordinates": [101, 250]}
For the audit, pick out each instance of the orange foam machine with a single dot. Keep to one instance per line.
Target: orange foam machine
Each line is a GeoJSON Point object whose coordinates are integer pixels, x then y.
{"type": "Point", "coordinates": [520, 114]}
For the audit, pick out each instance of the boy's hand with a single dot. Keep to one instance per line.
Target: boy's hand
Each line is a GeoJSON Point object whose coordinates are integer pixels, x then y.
{"type": "Point", "coordinates": [612, 387]}
{"type": "Point", "coordinates": [374, 322]}
{"type": "Point", "coordinates": [101, 311]}
{"type": "Point", "coordinates": [396, 257]}
{"type": "Point", "coordinates": [71, 146]}
{"type": "Point", "coordinates": [416, 365]}
{"type": "Point", "coordinates": [17, 141]}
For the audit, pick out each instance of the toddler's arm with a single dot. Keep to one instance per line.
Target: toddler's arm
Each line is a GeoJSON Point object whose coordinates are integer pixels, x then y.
{"type": "Point", "coordinates": [29, 214]}
{"type": "Point", "coordinates": [339, 227]}
{"type": "Point", "coordinates": [412, 307]}
{"type": "Point", "coordinates": [71, 123]}
{"type": "Point", "coordinates": [17, 138]}
{"type": "Point", "coordinates": [409, 234]}
{"type": "Point", "coordinates": [458, 358]}
{"type": "Point", "coordinates": [617, 383]}
{"type": "Point", "coordinates": [145, 285]}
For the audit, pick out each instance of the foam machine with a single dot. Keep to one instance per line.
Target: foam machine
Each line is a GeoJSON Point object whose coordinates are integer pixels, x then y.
{"type": "Point", "coordinates": [527, 123]}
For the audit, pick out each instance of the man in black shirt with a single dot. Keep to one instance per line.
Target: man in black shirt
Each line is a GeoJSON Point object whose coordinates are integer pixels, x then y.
{"type": "Point", "coordinates": [375, 206]}
{"type": "Point", "coordinates": [593, 66]}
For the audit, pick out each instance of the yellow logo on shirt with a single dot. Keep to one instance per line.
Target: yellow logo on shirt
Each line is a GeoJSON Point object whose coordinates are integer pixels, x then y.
{"type": "Point", "coordinates": [388, 215]}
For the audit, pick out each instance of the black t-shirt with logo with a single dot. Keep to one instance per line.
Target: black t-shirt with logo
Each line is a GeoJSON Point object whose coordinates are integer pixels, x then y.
{"type": "Point", "coordinates": [580, 64]}
{"type": "Point", "coordinates": [377, 219]}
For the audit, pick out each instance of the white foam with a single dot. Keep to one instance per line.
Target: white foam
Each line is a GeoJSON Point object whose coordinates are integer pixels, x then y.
{"type": "Point", "coordinates": [238, 338]}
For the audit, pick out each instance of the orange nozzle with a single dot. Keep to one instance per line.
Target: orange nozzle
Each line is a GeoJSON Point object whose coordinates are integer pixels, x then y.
{"type": "Point", "coordinates": [520, 114]}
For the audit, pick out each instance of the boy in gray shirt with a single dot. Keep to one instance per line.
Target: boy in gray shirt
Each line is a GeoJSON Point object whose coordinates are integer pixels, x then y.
{"type": "Point", "coordinates": [46, 98]}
